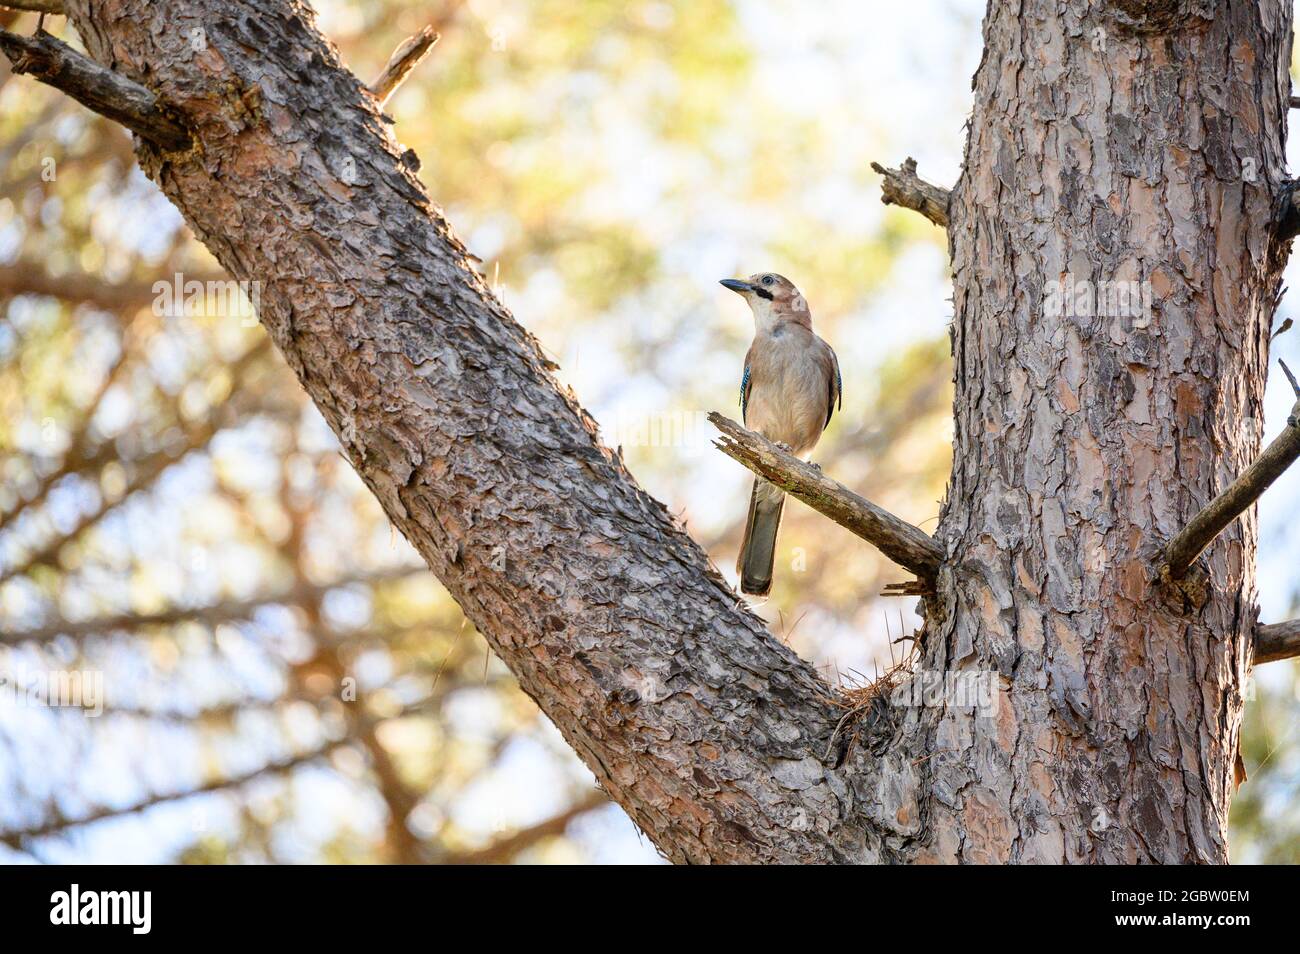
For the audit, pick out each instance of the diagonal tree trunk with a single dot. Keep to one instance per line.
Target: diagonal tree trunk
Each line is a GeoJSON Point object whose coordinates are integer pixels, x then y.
{"type": "Point", "coordinates": [692, 716]}
{"type": "Point", "coordinates": [1151, 151]}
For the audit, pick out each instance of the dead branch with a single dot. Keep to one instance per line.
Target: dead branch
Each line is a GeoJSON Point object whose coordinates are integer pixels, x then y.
{"type": "Point", "coordinates": [903, 187]}
{"type": "Point", "coordinates": [908, 546]}
{"type": "Point", "coordinates": [405, 58]}
{"type": "Point", "coordinates": [1277, 641]}
{"type": "Point", "coordinates": [99, 89]}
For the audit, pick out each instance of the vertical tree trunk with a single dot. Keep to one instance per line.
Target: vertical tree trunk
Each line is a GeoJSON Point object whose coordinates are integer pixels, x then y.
{"type": "Point", "coordinates": [1109, 141]}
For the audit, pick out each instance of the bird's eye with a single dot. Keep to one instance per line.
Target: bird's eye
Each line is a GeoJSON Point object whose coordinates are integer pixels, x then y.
{"type": "Point", "coordinates": [768, 279]}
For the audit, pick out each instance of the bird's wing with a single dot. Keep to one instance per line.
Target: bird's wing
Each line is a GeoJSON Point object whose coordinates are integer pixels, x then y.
{"type": "Point", "coordinates": [834, 384]}
{"type": "Point", "coordinates": [745, 385]}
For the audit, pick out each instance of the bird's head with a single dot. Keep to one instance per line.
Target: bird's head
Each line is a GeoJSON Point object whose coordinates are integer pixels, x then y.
{"type": "Point", "coordinates": [772, 298]}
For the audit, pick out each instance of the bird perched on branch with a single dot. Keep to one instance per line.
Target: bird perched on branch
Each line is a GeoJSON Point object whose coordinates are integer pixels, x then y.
{"type": "Point", "coordinates": [788, 393]}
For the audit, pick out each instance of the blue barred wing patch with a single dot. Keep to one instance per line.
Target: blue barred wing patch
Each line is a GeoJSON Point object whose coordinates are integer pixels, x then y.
{"type": "Point", "coordinates": [744, 395]}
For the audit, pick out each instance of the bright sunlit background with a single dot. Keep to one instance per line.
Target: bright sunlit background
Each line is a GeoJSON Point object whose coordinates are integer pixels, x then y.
{"type": "Point", "coordinates": [282, 681]}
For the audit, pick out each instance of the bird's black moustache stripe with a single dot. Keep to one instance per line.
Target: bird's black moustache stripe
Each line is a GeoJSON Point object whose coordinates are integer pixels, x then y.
{"type": "Point", "coordinates": [763, 293]}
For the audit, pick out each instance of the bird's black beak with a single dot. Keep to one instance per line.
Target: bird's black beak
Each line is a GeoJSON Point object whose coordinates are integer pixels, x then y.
{"type": "Point", "coordinates": [736, 285]}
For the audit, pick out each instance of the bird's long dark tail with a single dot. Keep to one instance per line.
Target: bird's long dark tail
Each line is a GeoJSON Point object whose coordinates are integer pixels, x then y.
{"type": "Point", "coordinates": [758, 548]}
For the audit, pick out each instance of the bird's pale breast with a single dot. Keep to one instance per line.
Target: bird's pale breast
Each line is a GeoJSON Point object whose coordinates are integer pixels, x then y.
{"type": "Point", "coordinates": [789, 388]}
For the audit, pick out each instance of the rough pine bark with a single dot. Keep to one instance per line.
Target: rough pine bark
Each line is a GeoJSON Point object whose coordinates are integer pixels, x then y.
{"type": "Point", "coordinates": [708, 730]}
{"type": "Point", "coordinates": [1107, 143]}
{"type": "Point", "coordinates": [1082, 444]}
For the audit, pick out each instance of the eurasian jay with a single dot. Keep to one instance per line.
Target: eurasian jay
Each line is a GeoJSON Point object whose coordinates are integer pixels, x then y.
{"type": "Point", "coordinates": [788, 393]}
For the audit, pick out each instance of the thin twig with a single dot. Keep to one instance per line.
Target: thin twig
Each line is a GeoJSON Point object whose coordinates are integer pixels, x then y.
{"type": "Point", "coordinates": [96, 87]}
{"type": "Point", "coordinates": [405, 58]}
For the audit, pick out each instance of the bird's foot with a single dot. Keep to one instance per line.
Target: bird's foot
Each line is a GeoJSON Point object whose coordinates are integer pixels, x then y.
{"type": "Point", "coordinates": [785, 447]}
